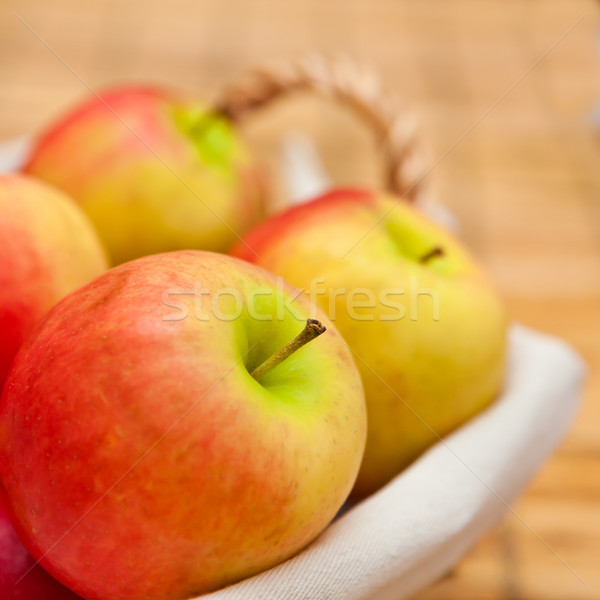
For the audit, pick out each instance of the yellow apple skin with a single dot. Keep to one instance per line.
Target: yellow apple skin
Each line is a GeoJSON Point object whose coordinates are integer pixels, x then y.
{"type": "Point", "coordinates": [153, 171]}
{"type": "Point", "coordinates": [48, 248]}
{"type": "Point", "coordinates": [140, 440]}
{"type": "Point", "coordinates": [423, 376]}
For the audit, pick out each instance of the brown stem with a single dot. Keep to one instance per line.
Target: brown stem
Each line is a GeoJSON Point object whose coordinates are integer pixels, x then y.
{"type": "Point", "coordinates": [312, 330]}
{"type": "Point", "coordinates": [433, 253]}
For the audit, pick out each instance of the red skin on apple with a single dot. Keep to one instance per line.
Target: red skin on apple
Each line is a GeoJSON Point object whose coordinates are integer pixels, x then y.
{"type": "Point", "coordinates": [329, 206]}
{"type": "Point", "coordinates": [139, 456]}
{"type": "Point", "coordinates": [48, 248]}
{"type": "Point", "coordinates": [17, 563]}
{"type": "Point", "coordinates": [154, 172]}
{"type": "Point", "coordinates": [431, 340]}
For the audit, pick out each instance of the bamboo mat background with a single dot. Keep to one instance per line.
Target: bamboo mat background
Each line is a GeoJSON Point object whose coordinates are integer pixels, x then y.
{"type": "Point", "coordinates": [524, 182]}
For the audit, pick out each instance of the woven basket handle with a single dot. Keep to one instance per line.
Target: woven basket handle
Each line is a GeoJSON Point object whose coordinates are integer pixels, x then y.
{"type": "Point", "coordinates": [344, 81]}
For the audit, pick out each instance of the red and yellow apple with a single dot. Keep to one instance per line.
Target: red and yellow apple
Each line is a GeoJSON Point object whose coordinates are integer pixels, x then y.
{"type": "Point", "coordinates": [48, 248]}
{"type": "Point", "coordinates": [426, 328]}
{"type": "Point", "coordinates": [153, 171]}
{"type": "Point", "coordinates": [20, 577]}
{"type": "Point", "coordinates": [139, 455]}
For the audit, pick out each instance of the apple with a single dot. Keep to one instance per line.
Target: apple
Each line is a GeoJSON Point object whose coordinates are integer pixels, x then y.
{"type": "Point", "coordinates": [145, 449]}
{"type": "Point", "coordinates": [154, 172]}
{"type": "Point", "coordinates": [20, 577]}
{"type": "Point", "coordinates": [426, 328]}
{"type": "Point", "coordinates": [48, 248]}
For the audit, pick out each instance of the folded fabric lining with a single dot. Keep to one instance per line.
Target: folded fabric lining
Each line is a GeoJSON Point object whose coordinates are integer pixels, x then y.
{"type": "Point", "coordinates": [406, 536]}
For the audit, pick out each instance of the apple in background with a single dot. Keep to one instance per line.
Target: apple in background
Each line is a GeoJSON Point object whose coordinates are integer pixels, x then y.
{"type": "Point", "coordinates": [153, 171]}
{"type": "Point", "coordinates": [140, 456]}
{"type": "Point", "coordinates": [16, 562]}
{"type": "Point", "coordinates": [48, 248]}
{"type": "Point", "coordinates": [427, 330]}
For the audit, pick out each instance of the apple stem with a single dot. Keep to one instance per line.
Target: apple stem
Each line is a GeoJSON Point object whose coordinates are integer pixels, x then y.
{"type": "Point", "coordinates": [312, 330]}
{"type": "Point", "coordinates": [433, 253]}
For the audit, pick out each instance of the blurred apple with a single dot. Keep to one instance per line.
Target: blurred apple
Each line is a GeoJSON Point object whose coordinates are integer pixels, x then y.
{"type": "Point", "coordinates": [427, 329]}
{"type": "Point", "coordinates": [48, 248]}
{"type": "Point", "coordinates": [153, 171]}
{"type": "Point", "coordinates": [20, 577]}
{"type": "Point", "coordinates": [142, 454]}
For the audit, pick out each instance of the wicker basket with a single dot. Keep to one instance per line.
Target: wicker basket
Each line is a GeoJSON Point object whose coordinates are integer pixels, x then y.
{"type": "Point", "coordinates": [411, 532]}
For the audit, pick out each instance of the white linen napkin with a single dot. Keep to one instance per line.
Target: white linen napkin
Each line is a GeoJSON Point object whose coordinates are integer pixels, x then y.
{"type": "Point", "coordinates": [406, 536]}
{"type": "Point", "coordinates": [13, 154]}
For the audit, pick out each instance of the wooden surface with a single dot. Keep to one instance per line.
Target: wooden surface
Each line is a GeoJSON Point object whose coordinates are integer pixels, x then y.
{"type": "Point", "coordinates": [525, 181]}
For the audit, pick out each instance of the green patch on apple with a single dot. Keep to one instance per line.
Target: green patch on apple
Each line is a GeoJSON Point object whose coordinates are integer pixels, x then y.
{"type": "Point", "coordinates": [212, 136]}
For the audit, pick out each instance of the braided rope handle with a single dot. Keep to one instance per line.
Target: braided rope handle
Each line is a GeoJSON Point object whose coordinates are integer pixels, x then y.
{"type": "Point", "coordinates": [343, 80]}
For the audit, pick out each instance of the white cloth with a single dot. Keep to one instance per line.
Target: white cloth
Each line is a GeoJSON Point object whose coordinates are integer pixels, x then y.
{"type": "Point", "coordinates": [13, 154]}
{"type": "Point", "coordinates": [407, 535]}
{"type": "Point", "coordinates": [410, 533]}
